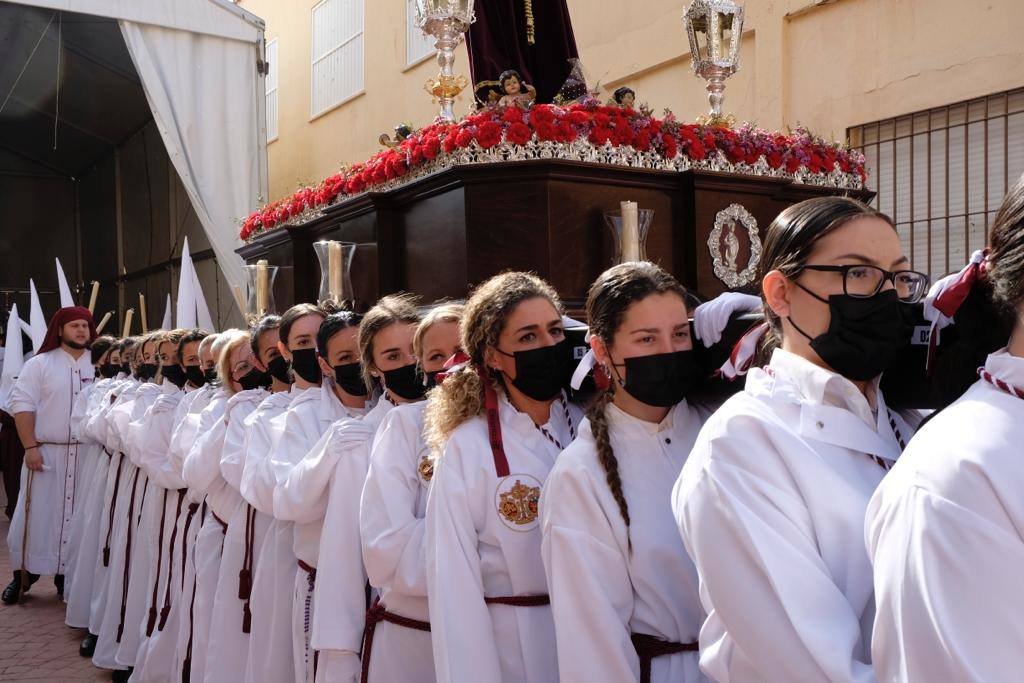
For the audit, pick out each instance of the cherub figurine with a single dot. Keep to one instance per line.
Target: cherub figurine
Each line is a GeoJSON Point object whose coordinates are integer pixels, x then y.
{"type": "Point", "coordinates": [624, 97]}
{"type": "Point", "coordinates": [514, 92]}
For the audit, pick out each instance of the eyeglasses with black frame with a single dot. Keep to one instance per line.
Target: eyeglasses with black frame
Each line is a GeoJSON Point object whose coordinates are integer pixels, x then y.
{"type": "Point", "coordinates": [863, 281]}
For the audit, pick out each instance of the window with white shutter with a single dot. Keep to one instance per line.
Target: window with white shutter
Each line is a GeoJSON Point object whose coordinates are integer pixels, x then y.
{"type": "Point", "coordinates": [417, 45]}
{"type": "Point", "coordinates": [337, 51]}
{"type": "Point", "coordinates": [272, 91]}
{"type": "Point", "coordinates": [941, 174]}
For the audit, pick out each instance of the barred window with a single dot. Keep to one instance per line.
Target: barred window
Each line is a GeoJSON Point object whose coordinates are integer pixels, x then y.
{"type": "Point", "coordinates": [942, 173]}
{"type": "Point", "coordinates": [337, 53]}
{"type": "Point", "coordinates": [272, 90]}
{"type": "Point", "coordinates": [417, 44]}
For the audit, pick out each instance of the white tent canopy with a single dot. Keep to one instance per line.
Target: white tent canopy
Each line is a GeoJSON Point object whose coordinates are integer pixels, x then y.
{"type": "Point", "coordinates": [197, 60]}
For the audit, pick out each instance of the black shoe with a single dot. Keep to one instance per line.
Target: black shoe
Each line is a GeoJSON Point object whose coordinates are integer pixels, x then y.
{"type": "Point", "coordinates": [88, 646]}
{"type": "Point", "coordinates": [58, 581]}
{"type": "Point", "coordinates": [122, 675]}
{"type": "Point", "coordinates": [12, 592]}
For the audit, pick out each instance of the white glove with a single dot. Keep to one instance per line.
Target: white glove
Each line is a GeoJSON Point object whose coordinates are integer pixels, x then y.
{"type": "Point", "coordinates": [711, 317]}
{"type": "Point", "coordinates": [934, 315]}
{"type": "Point", "coordinates": [338, 666]}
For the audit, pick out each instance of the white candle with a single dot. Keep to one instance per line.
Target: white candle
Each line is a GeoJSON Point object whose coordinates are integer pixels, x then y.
{"type": "Point", "coordinates": [92, 297]}
{"type": "Point", "coordinates": [262, 286]}
{"type": "Point", "coordinates": [103, 323]}
{"type": "Point", "coordinates": [630, 231]}
{"type": "Point", "coordinates": [142, 314]}
{"type": "Point", "coordinates": [334, 271]}
{"type": "Point", "coordinates": [128, 322]}
{"type": "Point", "coordinates": [239, 301]}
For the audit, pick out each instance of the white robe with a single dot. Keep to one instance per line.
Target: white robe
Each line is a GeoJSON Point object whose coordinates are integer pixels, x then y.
{"type": "Point", "coordinates": [209, 540]}
{"type": "Point", "coordinates": [88, 458]}
{"type": "Point", "coordinates": [78, 587]}
{"type": "Point", "coordinates": [96, 428]}
{"type": "Point", "coordinates": [333, 474]}
{"type": "Point", "coordinates": [48, 385]}
{"type": "Point", "coordinates": [307, 420]}
{"type": "Point", "coordinates": [145, 547]}
{"type": "Point", "coordinates": [155, 657]}
{"type": "Point", "coordinates": [392, 531]}
{"type": "Point", "coordinates": [601, 592]}
{"type": "Point", "coordinates": [945, 532]}
{"type": "Point", "coordinates": [475, 551]}
{"type": "Point", "coordinates": [771, 506]}
{"type": "Point", "coordinates": [131, 405]}
{"type": "Point", "coordinates": [227, 646]}
{"type": "Point", "coordinates": [269, 656]}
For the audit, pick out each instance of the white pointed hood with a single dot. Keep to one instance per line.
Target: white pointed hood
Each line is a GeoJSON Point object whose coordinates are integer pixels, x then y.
{"type": "Point", "coordinates": [66, 300]}
{"type": "Point", "coordinates": [14, 356]}
{"type": "Point", "coordinates": [36, 321]}
{"type": "Point", "coordinates": [186, 309]}
{"type": "Point", "coordinates": [167, 324]}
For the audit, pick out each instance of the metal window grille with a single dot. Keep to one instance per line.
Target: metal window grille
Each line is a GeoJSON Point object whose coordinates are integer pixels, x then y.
{"type": "Point", "coordinates": [941, 174]}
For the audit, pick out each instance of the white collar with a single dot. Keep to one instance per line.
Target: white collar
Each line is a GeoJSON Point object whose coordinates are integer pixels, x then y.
{"type": "Point", "coordinates": [817, 385]}
{"type": "Point", "coordinates": [623, 419]}
{"type": "Point", "coordinates": [1006, 367]}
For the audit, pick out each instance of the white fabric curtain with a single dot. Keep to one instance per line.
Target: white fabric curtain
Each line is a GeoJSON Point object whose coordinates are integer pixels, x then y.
{"type": "Point", "coordinates": [206, 96]}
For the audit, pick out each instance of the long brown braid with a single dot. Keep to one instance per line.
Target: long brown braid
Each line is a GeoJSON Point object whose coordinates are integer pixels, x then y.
{"type": "Point", "coordinates": [611, 295]}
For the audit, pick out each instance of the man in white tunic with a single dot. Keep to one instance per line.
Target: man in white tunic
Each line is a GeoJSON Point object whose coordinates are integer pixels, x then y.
{"type": "Point", "coordinates": [42, 402]}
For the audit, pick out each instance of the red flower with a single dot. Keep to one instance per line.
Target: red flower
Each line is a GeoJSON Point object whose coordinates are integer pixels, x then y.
{"type": "Point", "coordinates": [566, 131]}
{"type": "Point", "coordinates": [671, 148]}
{"type": "Point", "coordinates": [774, 160]}
{"type": "Point", "coordinates": [450, 143]}
{"type": "Point", "coordinates": [547, 131]}
{"type": "Point", "coordinates": [602, 120]}
{"type": "Point", "coordinates": [751, 157]}
{"type": "Point", "coordinates": [578, 118]}
{"type": "Point", "coordinates": [792, 164]}
{"type": "Point", "coordinates": [600, 135]}
{"type": "Point", "coordinates": [540, 114]}
{"type": "Point", "coordinates": [696, 151]}
{"type": "Point", "coordinates": [512, 115]}
{"type": "Point", "coordinates": [430, 147]}
{"type": "Point", "coordinates": [488, 134]}
{"type": "Point", "coordinates": [464, 138]}
{"type": "Point", "coordinates": [518, 133]}
{"type": "Point", "coordinates": [643, 140]}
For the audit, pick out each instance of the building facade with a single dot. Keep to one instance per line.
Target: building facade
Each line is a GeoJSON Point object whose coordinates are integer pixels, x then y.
{"type": "Point", "coordinates": [931, 90]}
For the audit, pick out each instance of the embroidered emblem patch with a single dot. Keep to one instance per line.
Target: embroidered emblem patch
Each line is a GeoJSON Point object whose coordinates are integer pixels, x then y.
{"type": "Point", "coordinates": [518, 501]}
{"type": "Point", "coordinates": [426, 467]}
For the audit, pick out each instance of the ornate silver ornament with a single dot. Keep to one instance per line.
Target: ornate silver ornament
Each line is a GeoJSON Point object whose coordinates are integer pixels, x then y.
{"type": "Point", "coordinates": [725, 243]}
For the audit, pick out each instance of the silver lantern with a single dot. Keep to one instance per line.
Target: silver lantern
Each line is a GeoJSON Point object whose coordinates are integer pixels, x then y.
{"type": "Point", "coordinates": [714, 28]}
{"type": "Point", "coordinates": [446, 21]}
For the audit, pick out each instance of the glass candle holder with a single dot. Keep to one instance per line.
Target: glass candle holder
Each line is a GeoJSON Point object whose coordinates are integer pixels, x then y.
{"type": "Point", "coordinates": [260, 287]}
{"type": "Point", "coordinates": [335, 271]}
{"type": "Point", "coordinates": [629, 227]}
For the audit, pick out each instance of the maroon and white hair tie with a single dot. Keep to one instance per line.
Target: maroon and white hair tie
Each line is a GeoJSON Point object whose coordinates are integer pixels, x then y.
{"type": "Point", "coordinates": [1000, 384]}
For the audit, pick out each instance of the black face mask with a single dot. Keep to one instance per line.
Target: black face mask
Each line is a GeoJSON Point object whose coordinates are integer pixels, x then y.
{"type": "Point", "coordinates": [126, 368]}
{"type": "Point", "coordinates": [210, 374]}
{"type": "Point", "coordinates": [305, 365]}
{"type": "Point", "coordinates": [254, 379]}
{"type": "Point", "coordinates": [864, 336]}
{"type": "Point", "coordinates": [195, 375]}
{"type": "Point", "coordinates": [74, 345]}
{"type": "Point", "coordinates": [662, 379]}
{"type": "Point", "coordinates": [405, 382]}
{"type": "Point", "coordinates": [174, 374]}
{"type": "Point", "coordinates": [542, 373]}
{"type": "Point", "coordinates": [147, 371]}
{"type": "Point", "coordinates": [108, 370]}
{"type": "Point", "coordinates": [278, 369]}
{"type": "Point", "coordinates": [350, 378]}
{"type": "Point", "coordinates": [431, 378]}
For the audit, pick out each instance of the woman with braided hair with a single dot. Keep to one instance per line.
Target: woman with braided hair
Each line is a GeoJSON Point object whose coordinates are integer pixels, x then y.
{"type": "Point", "coordinates": [623, 590]}
{"type": "Point", "coordinates": [944, 530]}
{"type": "Point", "coordinates": [496, 425]}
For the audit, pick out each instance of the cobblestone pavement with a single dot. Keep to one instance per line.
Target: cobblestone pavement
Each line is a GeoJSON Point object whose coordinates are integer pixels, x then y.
{"type": "Point", "coordinates": [35, 644]}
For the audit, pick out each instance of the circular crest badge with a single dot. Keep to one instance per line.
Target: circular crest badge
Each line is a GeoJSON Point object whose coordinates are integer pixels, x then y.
{"type": "Point", "coordinates": [426, 465]}
{"type": "Point", "coordinates": [518, 500]}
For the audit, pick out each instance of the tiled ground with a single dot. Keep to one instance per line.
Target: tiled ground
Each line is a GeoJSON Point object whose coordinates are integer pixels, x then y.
{"type": "Point", "coordinates": [35, 644]}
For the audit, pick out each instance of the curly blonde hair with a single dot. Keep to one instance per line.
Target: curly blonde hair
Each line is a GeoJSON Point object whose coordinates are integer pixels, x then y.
{"type": "Point", "coordinates": [460, 396]}
{"type": "Point", "coordinates": [441, 313]}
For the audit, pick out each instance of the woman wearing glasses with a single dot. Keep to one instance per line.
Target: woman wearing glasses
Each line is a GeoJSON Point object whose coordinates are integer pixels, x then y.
{"type": "Point", "coordinates": [771, 500]}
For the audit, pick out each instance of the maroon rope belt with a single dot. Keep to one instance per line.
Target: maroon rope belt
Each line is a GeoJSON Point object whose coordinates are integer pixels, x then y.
{"type": "Point", "coordinates": [192, 507]}
{"type": "Point", "coordinates": [223, 524]}
{"type": "Point", "coordinates": [245, 574]}
{"type": "Point", "coordinates": [151, 621]}
{"type": "Point", "coordinates": [127, 556]}
{"type": "Point", "coordinates": [165, 611]}
{"type": "Point", "coordinates": [648, 647]}
{"type": "Point", "coordinates": [186, 667]}
{"type": "Point", "coordinates": [113, 507]}
{"type": "Point", "coordinates": [520, 600]}
{"type": "Point", "coordinates": [374, 616]}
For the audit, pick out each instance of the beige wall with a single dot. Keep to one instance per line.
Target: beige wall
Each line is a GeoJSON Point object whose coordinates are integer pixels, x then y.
{"type": "Point", "coordinates": [828, 65]}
